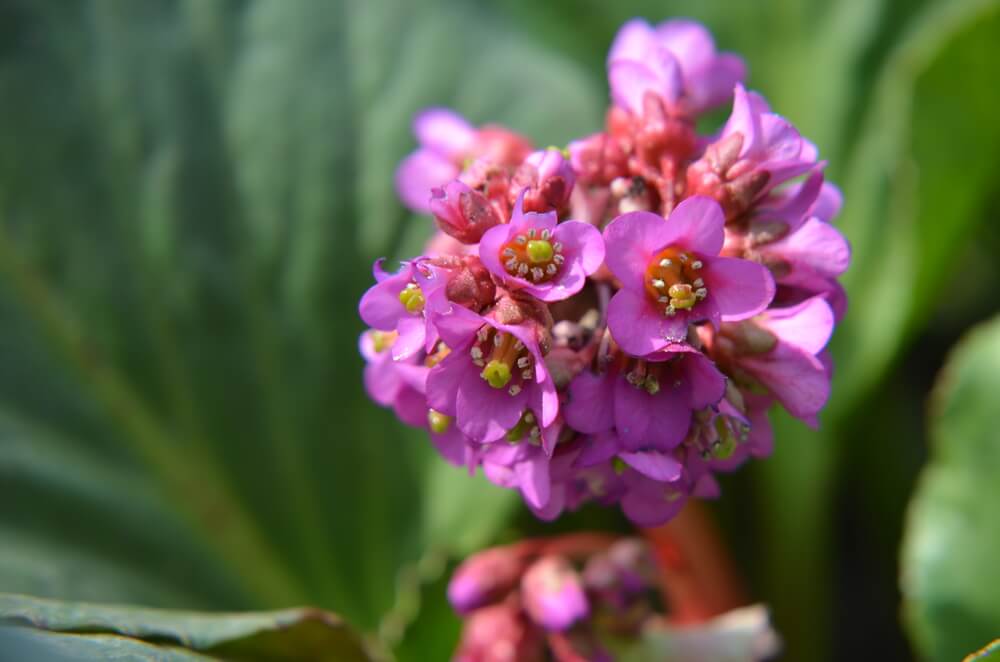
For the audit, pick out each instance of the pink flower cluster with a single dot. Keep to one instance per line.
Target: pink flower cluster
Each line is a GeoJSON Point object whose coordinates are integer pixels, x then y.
{"type": "Point", "coordinates": [555, 599]}
{"type": "Point", "coordinates": [612, 322]}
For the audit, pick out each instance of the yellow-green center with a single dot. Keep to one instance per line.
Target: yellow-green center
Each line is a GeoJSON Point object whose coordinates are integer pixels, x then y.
{"type": "Point", "coordinates": [412, 298]}
{"type": "Point", "coordinates": [539, 251]}
{"type": "Point", "coordinates": [496, 373]}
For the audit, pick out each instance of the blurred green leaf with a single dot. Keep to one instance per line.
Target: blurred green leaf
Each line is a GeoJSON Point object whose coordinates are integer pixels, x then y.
{"type": "Point", "coordinates": [113, 631]}
{"type": "Point", "coordinates": [949, 569]}
{"type": "Point", "coordinates": [191, 196]}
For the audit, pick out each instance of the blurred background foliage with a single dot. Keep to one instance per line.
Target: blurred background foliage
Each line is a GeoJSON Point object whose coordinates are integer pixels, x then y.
{"type": "Point", "coordinates": [192, 193]}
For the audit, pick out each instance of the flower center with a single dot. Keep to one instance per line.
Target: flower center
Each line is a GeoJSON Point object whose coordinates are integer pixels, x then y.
{"type": "Point", "coordinates": [532, 255]}
{"type": "Point", "coordinates": [672, 281]}
{"type": "Point", "coordinates": [412, 298]}
{"type": "Point", "coordinates": [504, 359]}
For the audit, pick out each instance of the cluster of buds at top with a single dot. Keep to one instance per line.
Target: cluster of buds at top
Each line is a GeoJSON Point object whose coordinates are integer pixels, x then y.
{"type": "Point", "coordinates": [612, 322]}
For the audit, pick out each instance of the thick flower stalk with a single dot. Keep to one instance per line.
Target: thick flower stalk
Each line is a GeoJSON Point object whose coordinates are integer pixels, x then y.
{"type": "Point", "coordinates": [612, 322]}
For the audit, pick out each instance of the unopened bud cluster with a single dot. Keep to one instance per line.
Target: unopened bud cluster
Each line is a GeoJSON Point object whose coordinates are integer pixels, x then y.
{"type": "Point", "coordinates": [556, 599]}
{"type": "Point", "coordinates": [612, 321]}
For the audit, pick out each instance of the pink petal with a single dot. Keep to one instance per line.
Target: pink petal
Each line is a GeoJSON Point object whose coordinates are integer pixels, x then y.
{"type": "Point", "coordinates": [713, 85]}
{"type": "Point", "coordinates": [657, 466]}
{"type": "Point", "coordinates": [583, 242]}
{"type": "Point", "coordinates": [707, 385]}
{"type": "Point", "coordinates": [379, 307]}
{"type": "Point", "coordinates": [634, 39]}
{"type": "Point", "coordinates": [411, 407]}
{"type": "Point", "coordinates": [648, 503]}
{"type": "Point", "coordinates": [382, 382]}
{"type": "Point", "coordinates": [418, 173]}
{"type": "Point", "coordinates": [629, 81]}
{"type": "Point", "coordinates": [630, 242]}
{"type": "Point", "coordinates": [807, 326]}
{"type": "Point", "coordinates": [490, 246]}
{"type": "Point", "coordinates": [451, 445]}
{"type": "Point", "coordinates": [699, 223]}
{"type": "Point", "coordinates": [816, 248]}
{"type": "Point", "coordinates": [597, 449]}
{"type": "Point", "coordinates": [485, 413]}
{"type": "Point", "coordinates": [458, 327]}
{"type": "Point", "coordinates": [744, 120]}
{"type": "Point", "coordinates": [412, 332]}
{"type": "Point", "coordinates": [444, 131]}
{"type": "Point", "coordinates": [798, 380]}
{"type": "Point", "coordinates": [443, 381]}
{"type": "Point", "coordinates": [590, 406]}
{"type": "Point", "coordinates": [689, 41]}
{"type": "Point", "coordinates": [739, 288]}
{"type": "Point", "coordinates": [638, 328]}
{"type": "Point", "coordinates": [533, 478]}
{"type": "Point", "coordinates": [829, 203]}
{"type": "Point", "coordinates": [645, 421]}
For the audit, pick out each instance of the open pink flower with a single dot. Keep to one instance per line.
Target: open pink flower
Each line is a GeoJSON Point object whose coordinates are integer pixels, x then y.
{"type": "Point", "coordinates": [493, 373]}
{"type": "Point", "coordinates": [650, 404]}
{"type": "Point", "coordinates": [676, 61]}
{"type": "Point", "coordinates": [396, 384]}
{"type": "Point", "coordinates": [405, 302]}
{"type": "Point", "coordinates": [544, 258]}
{"type": "Point", "coordinates": [671, 276]}
{"type": "Point", "coordinates": [781, 350]}
{"type": "Point", "coordinates": [447, 141]}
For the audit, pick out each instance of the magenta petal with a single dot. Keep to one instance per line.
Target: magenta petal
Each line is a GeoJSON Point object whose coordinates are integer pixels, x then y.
{"type": "Point", "coordinates": [745, 120]}
{"type": "Point", "coordinates": [418, 173]}
{"type": "Point", "coordinates": [829, 203]}
{"type": "Point", "coordinates": [648, 503]}
{"type": "Point", "coordinates": [412, 331]}
{"type": "Point", "coordinates": [707, 385]}
{"type": "Point", "coordinates": [380, 307]}
{"type": "Point", "coordinates": [629, 81]}
{"type": "Point", "coordinates": [638, 328]}
{"type": "Point", "coordinates": [458, 328]}
{"type": "Point", "coordinates": [382, 382]}
{"type": "Point", "coordinates": [411, 407]}
{"type": "Point", "coordinates": [807, 326]}
{"type": "Point", "coordinates": [657, 466]}
{"type": "Point", "coordinates": [714, 84]}
{"type": "Point", "coordinates": [631, 240]}
{"type": "Point", "coordinates": [443, 381]}
{"type": "Point", "coordinates": [814, 248]}
{"type": "Point", "coordinates": [533, 478]}
{"type": "Point", "coordinates": [699, 224]}
{"type": "Point", "coordinates": [590, 407]}
{"type": "Point", "coordinates": [644, 421]}
{"type": "Point", "coordinates": [490, 246]}
{"type": "Point", "coordinates": [690, 43]}
{"type": "Point", "coordinates": [739, 288]}
{"type": "Point", "coordinates": [444, 131]}
{"type": "Point", "coordinates": [634, 39]}
{"type": "Point", "coordinates": [597, 449]}
{"type": "Point", "coordinates": [451, 445]}
{"type": "Point", "coordinates": [798, 380]}
{"type": "Point", "coordinates": [485, 413]}
{"type": "Point", "coordinates": [583, 242]}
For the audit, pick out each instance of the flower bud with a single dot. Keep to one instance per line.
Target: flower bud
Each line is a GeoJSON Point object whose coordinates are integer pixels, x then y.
{"type": "Point", "coordinates": [470, 285]}
{"type": "Point", "coordinates": [553, 594]}
{"type": "Point", "coordinates": [500, 633]}
{"type": "Point", "coordinates": [484, 578]}
{"type": "Point", "coordinates": [547, 180]}
{"type": "Point", "coordinates": [462, 212]}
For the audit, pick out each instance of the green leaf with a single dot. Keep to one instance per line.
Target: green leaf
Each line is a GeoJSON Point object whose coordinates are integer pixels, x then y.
{"type": "Point", "coordinates": [110, 631]}
{"type": "Point", "coordinates": [191, 197]}
{"type": "Point", "coordinates": [950, 574]}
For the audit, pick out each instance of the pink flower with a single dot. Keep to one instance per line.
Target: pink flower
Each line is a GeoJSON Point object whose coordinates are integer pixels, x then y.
{"type": "Point", "coordinates": [447, 141]}
{"type": "Point", "coordinates": [781, 351]}
{"type": "Point", "coordinates": [675, 61]}
{"type": "Point", "coordinates": [493, 373]}
{"type": "Point", "coordinates": [404, 302]}
{"type": "Point", "coordinates": [462, 212]}
{"type": "Point", "coordinates": [650, 404]}
{"type": "Point", "coordinates": [396, 384]}
{"type": "Point", "coordinates": [523, 462]}
{"type": "Point", "coordinates": [672, 276]}
{"type": "Point", "coordinates": [540, 256]}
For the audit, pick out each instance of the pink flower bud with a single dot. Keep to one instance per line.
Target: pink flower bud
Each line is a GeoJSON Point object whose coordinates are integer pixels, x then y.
{"type": "Point", "coordinates": [485, 578]}
{"type": "Point", "coordinates": [547, 180]}
{"type": "Point", "coordinates": [462, 212]}
{"type": "Point", "coordinates": [500, 633]}
{"type": "Point", "coordinates": [553, 594]}
{"type": "Point", "coordinates": [471, 285]}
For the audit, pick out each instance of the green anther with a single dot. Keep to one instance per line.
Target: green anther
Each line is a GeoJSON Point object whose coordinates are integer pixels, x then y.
{"type": "Point", "coordinates": [412, 298]}
{"type": "Point", "coordinates": [496, 373]}
{"type": "Point", "coordinates": [438, 422]}
{"type": "Point", "coordinates": [681, 296]}
{"type": "Point", "coordinates": [726, 445]}
{"type": "Point", "coordinates": [618, 465]}
{"type": "Point", "coordinates": [540, 251]}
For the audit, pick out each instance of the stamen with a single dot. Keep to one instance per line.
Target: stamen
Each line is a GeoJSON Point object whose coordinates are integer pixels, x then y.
{"type": "Point", "coordinates": [698, 282]}
{"type": "Point", "coordinates": [551, 269]}
{"type": "Point", "coordinates": [558, 259]}
{"type": "Point", "coordinates": [521, 239]}
{"type": "Point", "coordinates": [412, 298]}
{"type": "Point", "coordinates": [651, 384]}
{"type": "Point", "coordinates": [513, 390]}
{"type": "Point", "coordinates": [701, 293]}
{"type": "Point", "coordinates": [475, 352]}
{"type": "Point", "coordinates": [497, 339]}
{"type": "Point", "coordinates": [546, 234]}
{"type": "Point", "coordinates": [666, 262]}
{"type": "Point", "coordinates": [522, 269]}
{"type": "Point", "coordinates": [527, 373]}
{"type": "Point", "coordinates": [531, 233]}
{"type": "Point", "coordinates": [557, 247]}
{"type": "Point", "coordinates": [696, 265]}
{"type": "Point", "coordinates": [523, 362]}
{"type": "Point", "coordinates": [658, 283]}
{"type": "Point", "coordinates": [509, 252]}
{"type": "Point", "coordinates": [536, 273]}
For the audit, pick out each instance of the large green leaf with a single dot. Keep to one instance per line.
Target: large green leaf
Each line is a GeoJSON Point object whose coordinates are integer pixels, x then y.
{"type": "Point", "coordinates": [191, 195]}
{"type": "Point", "coordinates": [116, 632]}
{"type": "Point", "coordinates": [949, 557]}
